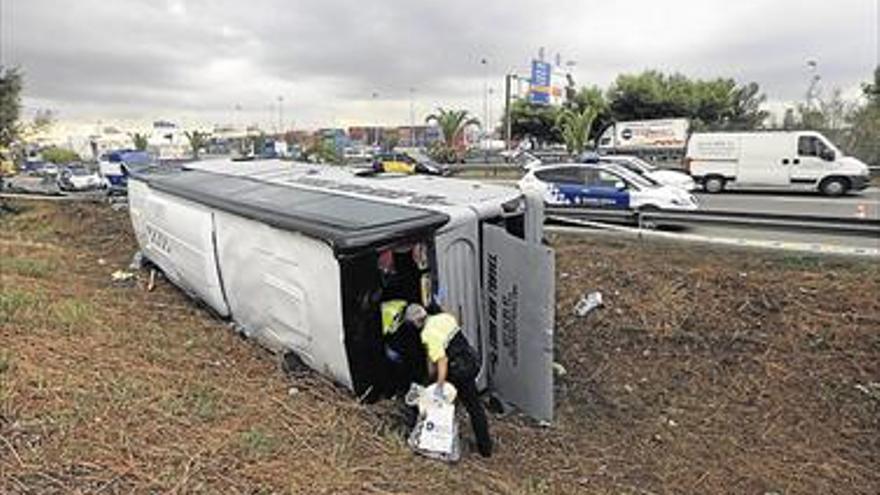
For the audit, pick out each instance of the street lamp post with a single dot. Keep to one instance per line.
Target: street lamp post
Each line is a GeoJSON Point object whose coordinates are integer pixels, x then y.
{"type": "Point", "coordinates": [508, 126]}
{"type": "Point", "coordinates": [485, 64]}
{"type": "Point", "coordinates": [412, 118]}
{"type": "Point", "coordinates": [376, 126]}
{"type": "Point", "coordinates": [280, 114]}
{"type": "Point", "coordinates": [813, 67]}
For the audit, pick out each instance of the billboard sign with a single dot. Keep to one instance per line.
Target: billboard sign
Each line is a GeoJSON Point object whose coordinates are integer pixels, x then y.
{"type": "Point", "coordinates": [547, 84]}
{"type": "Point", "coordinates": [539, 91]}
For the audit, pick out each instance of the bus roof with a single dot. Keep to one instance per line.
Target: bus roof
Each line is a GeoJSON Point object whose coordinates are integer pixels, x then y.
{"type": "Point", "coordinates": [441, 194]}
{"type": "Point", "coordinates": [347, 223]}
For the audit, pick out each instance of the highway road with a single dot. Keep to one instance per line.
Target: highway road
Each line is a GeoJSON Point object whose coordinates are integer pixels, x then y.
{"type": "Point", "coordinates": [865, 202]}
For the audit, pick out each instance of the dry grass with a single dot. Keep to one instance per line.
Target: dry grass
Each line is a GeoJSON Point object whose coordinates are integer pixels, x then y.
{"type": "Point", "coordinates": [706, 372]}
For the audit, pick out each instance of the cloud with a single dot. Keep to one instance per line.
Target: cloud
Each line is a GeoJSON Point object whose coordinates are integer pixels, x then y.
{"type": "Point", "coordinates": [197, 60]}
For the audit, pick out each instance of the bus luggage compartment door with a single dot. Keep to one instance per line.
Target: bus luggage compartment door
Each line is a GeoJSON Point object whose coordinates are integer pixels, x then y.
{"type": "Point", "coordinates": [519, 303]}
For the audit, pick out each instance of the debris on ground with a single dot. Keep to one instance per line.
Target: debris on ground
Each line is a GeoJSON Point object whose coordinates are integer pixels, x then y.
{"type": "Point", "coordinates": [588, 303]}
{"type": "Point", "coordinates": [122, 277]}
{"type": "Point", "coordinates": [558, 369]}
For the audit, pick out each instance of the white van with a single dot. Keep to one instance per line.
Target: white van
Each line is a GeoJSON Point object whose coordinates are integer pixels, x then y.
{"type": "Point", "coordinates": [297, 256]}
{"type": "Point", "coordinates": [801, 160]}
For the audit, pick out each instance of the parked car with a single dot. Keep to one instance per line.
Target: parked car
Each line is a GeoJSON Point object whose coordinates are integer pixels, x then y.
{"type": "Point", "coordinates": [522, 159]}
{"type": "Point", "coordinates": [48, 169]}
{"type": "Point", "coordinates": [641, 167]}
{"type": "Point", "coordinates": [604, 185]}
{"type": "Point", "coordinates": [114, 167]}
{"type": "Point", "coordinates": [804, 160]}
{"type": "Point", "coordinates": [79, 178]}
{"type": "Point", "coordinates": [408, 162]}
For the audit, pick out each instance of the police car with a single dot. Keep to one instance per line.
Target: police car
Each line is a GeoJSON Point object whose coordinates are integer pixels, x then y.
{"type": "Point", "coordinates": [669, 177]}
{"type": "Point", "coordinates": [604, 185]}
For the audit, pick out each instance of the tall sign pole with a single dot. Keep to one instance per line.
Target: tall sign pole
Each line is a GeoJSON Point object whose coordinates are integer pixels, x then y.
{"type": "Point", "coordinates": [508, 126]}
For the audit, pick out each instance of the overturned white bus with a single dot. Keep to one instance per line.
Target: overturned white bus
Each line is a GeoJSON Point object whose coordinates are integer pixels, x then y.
{"type": "Point", "coordinates": [294, 255]}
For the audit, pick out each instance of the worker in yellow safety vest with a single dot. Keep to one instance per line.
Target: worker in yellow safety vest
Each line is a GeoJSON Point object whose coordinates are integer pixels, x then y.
{"type": "Point", "coordinates": [403, 350]}
{"type": "Point", "coordinates": [451, 357]}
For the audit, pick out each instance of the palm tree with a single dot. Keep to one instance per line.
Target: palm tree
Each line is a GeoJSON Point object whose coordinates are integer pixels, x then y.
{"type": "Point", "coordinates": [575, 128]}
{"type": "Point", "coordinates": [196, 141]}
{"type": "Point", "coordinates": [452, 124]}
{"type": "Point", "coordinates": [139, 140]}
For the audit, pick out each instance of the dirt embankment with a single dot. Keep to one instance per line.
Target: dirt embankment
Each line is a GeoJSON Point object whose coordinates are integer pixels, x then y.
{"type": "Point", "coordinates": [708, 371]}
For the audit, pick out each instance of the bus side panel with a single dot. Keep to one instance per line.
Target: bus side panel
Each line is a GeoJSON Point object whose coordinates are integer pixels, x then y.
{"type": "Point", "coordinates": [283, 290]}
{"type": "Point", "coordinates": [177, 235]}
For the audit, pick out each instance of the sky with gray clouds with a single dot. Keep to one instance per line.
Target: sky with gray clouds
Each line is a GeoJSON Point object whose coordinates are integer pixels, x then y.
{"type": "Point", "coordinates": [352, 61]}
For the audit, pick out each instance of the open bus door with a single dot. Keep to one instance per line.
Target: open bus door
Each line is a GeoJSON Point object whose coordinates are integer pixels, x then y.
{"type": "Point", "coordinates": [519, 304]}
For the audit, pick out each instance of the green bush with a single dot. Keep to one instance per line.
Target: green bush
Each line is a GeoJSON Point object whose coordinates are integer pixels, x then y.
{"type": "Point", "coordinates": [60, 156]}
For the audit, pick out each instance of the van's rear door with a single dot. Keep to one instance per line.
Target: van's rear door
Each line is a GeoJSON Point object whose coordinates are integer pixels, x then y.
{"type": "Point", "coordinates": [519, 294]}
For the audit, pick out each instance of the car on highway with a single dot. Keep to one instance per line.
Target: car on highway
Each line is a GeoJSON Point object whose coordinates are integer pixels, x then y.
{"type": "Point", "coordinates": [641, 167]}
{"type": "Point", "coordinates": [604, 185]}
{"type": "Point", "coordinates": [79, 178]}
{"type": "Point", "coordinates": [407, 162]}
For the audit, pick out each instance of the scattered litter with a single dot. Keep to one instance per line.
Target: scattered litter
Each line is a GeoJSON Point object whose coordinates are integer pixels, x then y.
{"type": "Point", "coordinates": [118, 204]}
{"type": "Point", "coordinates": [588, 303]}
{"type": "Point", "coordinates": [292, 391]}
{"type": "Point", "coordinates": [102, 261]}
{"type": "Point", "coordinates": [436, 432]}
{"type": "Point", "coordinates": [559, 370]}
{"type": "Point", "coordinates": [628, 388]}
{"type": "Point", "coordinates": [872, 389]}
{"type": "Point", "coordinates": [122, 277]}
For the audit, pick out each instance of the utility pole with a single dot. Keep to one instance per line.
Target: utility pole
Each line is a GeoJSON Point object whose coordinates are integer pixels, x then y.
{"type": "Point", "coordinates": [280, 114]}
{"type": "Point", "coordinates": [412, 118]}
{"type": "Point", "coordinates": [485, 64]}
{"type": "Point", "coordinates": [508, 126]}
{"type": "Point", "coordinates": [376, 128]}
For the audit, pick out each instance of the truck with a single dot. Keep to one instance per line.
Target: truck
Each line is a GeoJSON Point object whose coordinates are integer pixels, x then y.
{"type": "Point", "coordinates": [292, 254]}
{"type": "Point", "coordinates": [794, 160]}
{"type": "Point", "coordinates": [658, 140]}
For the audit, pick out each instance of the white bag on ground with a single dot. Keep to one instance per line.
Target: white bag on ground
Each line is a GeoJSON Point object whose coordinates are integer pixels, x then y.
{"type": "Point", "coordinates": [436, 432]}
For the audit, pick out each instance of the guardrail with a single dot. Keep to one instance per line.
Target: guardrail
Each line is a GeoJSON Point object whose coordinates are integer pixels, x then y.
{"type": "Point", "coordinates": [868, 227]}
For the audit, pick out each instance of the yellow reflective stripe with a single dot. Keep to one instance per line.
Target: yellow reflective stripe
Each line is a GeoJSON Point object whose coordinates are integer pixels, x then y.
{"type": "Point", "coordinates": [392, 315]}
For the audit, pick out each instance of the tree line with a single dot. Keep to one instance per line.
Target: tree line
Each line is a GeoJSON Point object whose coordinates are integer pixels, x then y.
{"type": "Point", "coordinates": [710, 105]}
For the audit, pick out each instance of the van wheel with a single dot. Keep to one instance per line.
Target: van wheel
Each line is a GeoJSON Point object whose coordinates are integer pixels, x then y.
{"type": "Point", "coordinates": [835, 186]}
{"type": "Point", "coordinates": [713, 184]}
